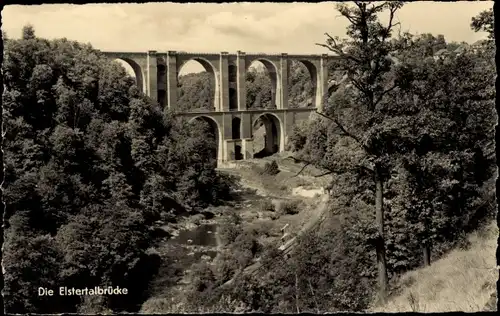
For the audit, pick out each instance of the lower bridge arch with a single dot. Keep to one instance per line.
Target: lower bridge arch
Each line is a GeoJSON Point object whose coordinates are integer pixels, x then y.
{"type": "Point", "coordinates": [215, 130]}
{"type": "Point", "coordinates": [274, 134]}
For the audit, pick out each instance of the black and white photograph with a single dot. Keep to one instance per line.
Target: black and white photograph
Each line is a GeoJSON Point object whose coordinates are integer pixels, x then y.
{"type": "Point", "coordinates": [249, 157]}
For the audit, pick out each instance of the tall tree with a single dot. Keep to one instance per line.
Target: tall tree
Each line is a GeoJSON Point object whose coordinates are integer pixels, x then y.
{"type": "Point", "coordinates": [361, 113]}
{"type": "Point", "coordinates": [28, 32]}
{"type": "Point", "coordinates": [484, 22]}
{"type": "Point", "coordinates": [452, 95]}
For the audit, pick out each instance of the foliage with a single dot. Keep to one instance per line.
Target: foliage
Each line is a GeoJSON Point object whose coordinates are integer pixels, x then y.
{"type": "Point", "coordinates": [245, 247]}
{"type": "Point", "coordinates": [90, 163]}
{"type": "Point", "coordinates": [271, 168]}
{"type": "Point", "coordinates": [259, 88]}
{"type": "Point", "coordinates": [196, 91]}
{"type": "Point", "coordinates": [419, 112]}
{"type": "Point", "coordinates": [484, 22]}
{"type": "Point", "coordinates": [288, 207]}
{"type": "Point", "coordinates": [333, 273]}
{"type": "Point", "coordinates": [229, 229]}
{"type": "Point", "coordinates": [266, 206]}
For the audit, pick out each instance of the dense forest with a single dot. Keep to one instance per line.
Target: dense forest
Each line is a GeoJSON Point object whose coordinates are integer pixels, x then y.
{"type": "Point", "coordinates": [91, 164]}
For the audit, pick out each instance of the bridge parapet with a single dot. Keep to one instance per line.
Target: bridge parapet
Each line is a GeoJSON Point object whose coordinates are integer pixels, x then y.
{"type": "Point", "coordinates": [125, 54]}
{"type": "Point", "coordinates": [199, 54]}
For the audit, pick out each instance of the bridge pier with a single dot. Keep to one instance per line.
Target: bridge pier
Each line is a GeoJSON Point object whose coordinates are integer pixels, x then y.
{"type": "Point", "coordinates": [237, 149]}
{"type": "Point", "coordinates": [230, 149]}
{"type": "Point", "coordinates": [247, 148]}
{"type": "Point", "coordinates": [152, 75]}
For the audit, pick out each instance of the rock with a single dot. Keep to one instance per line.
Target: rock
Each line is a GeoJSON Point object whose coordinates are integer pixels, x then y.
{"type": "Point", "coordinates": [301, 191]}
{"type": "Point", "coordinates": [191, 254]}
{"type": "Point", "coordinates": [190, 226]}
{"type": "Point", "coordinates": [189, 241]}
{"type": "Point", "coordinates": [209, 232]}
{"type": "Point", "coordinates": [206, 258]}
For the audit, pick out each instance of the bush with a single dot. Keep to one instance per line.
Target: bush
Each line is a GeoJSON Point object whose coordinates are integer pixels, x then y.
{"type": "Point", "coordinates": [271, 168]}
{"type": "Point", "coordinates": [266, 206]}
{"type": "Point", "coordinates": [290, 207]}
{"type": "Point", "coordinates": [229, 229]}
{"type": "Point", "coordinates": [202, 277]}
{"type": "Point", "coordinates": [298, 138]}
{"type": "Point", "coordinates": [226, 264]}
{"type": "Point", "coordinates": [247, 241]}
{"type": "Point", "coordinates": [263, 229]}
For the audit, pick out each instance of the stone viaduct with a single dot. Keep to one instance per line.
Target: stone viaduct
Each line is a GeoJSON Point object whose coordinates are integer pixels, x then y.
{"type": "Point", "coordinates": [233, 124]}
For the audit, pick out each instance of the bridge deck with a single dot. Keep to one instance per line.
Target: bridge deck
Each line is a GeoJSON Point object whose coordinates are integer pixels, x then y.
{"type": "Point", "coordinates": [308, 109]}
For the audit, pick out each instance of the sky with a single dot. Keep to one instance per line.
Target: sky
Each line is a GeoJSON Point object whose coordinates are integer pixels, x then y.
{"type": "Point", "coordinates": [203, 27]}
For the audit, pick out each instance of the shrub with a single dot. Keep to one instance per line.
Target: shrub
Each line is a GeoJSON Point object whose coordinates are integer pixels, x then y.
{"type": "Point", "coordinates": [266, 206]}
{"type": "Point", "coordinates": [289, 207]}
{"type": "Point", "coordinates": [247, 241]}
{"type": "Point", "coordinates": [298, 138]}
{"type": "Point", "coordinates": [243, 257]}
{"type": "Point", "coordinates": [226, 264]}
{"type": "Point", "coordinates": [202, 277]}
{"type": "Point", "coordinates": [271, 168]}
{"type": "Point", "coordinates": [229, 229]}
{"type": "Point", "coordinates": [263, 229]}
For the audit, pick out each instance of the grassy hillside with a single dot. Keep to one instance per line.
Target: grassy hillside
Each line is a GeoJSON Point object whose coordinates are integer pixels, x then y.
{"type": "Point", "coordinates": [463, 280]}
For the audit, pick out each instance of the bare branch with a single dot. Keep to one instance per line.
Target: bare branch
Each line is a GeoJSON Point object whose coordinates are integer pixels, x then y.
{"type": "Point", "coordinates": [324, 174]}
{"type": "Point", "coordinates": [298, 161]}
{"type": "Point", "coordinates": [304, 167]}
{"type": "Point", "coordinates": [376, 8]}
{"type": "Point", "coordinates": [358, 85]}
{"type": "Point", "coordinates": [350, 18]}
{"type": "Point", "coordinates": [384, 93]}
{"type": "Point", "coordinates": [334, 47]}
{"type": "Point", "coordinates": [308, 163]}
{"type": "Point", "coordinates": [332, 39]}
{"type": "Point", "coordinates": [389, 26]}
{"type": "Point", "coordinates": [344, 130]}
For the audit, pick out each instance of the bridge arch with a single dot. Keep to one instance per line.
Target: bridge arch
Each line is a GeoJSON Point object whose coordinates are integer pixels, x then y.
{"type": "Point", "coordinates": [272, 72]}
{"type": "Point", "coordinates": [304, 93]}
{"type": "Point", "coordinates": [216, 130]}
{"type": "Point", "coordinates": [209, 68]}
{"type": "Point", "coordinates": [313, 75]}
{"type": "Point", "coordinates": [140, 78]}
{"type": "Point", "coordinates": [274, 134]}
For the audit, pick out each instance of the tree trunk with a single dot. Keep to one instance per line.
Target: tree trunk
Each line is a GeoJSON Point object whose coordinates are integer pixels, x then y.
{"type": "Point", "coordinates": [297, 292]}
{"type": "Point", "coordinates": [427, 255]}
{"type": "Point", "coordinates": [381, 263]}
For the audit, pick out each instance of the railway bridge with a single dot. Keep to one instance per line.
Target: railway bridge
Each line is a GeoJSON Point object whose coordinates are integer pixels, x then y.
{"type": "Point", "coordinates": [231, 121]}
